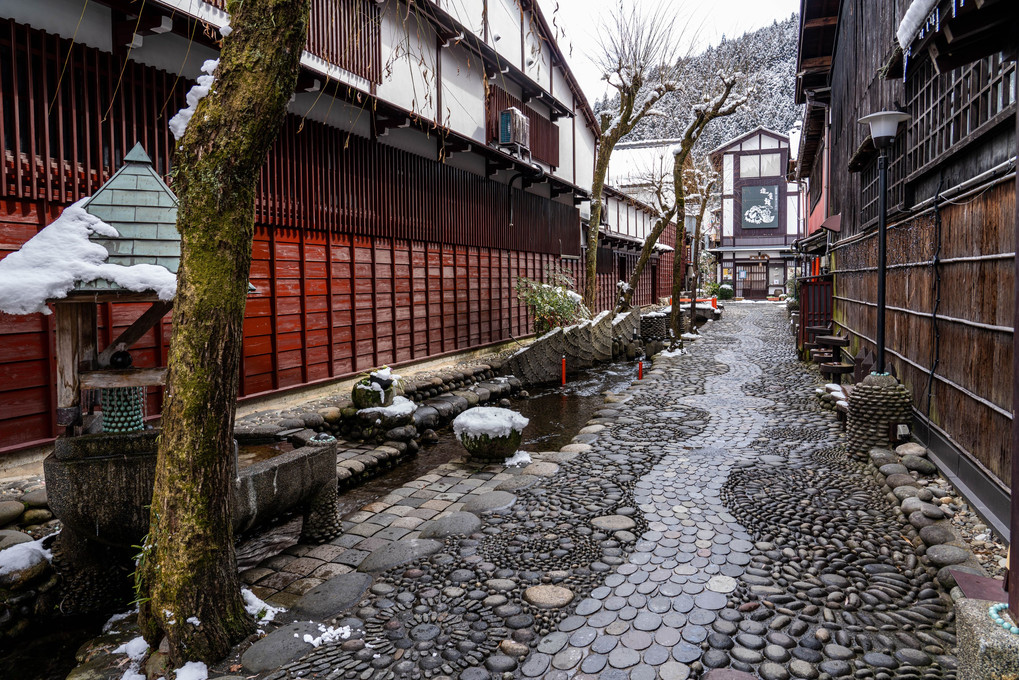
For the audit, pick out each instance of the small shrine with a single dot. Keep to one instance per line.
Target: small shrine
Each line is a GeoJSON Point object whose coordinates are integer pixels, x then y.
{"type": "Point", "coordinates": [143, 211]}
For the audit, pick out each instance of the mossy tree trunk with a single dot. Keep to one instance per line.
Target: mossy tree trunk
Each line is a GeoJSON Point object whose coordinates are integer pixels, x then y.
{"type": "Point", "coordinates": [188, 570]}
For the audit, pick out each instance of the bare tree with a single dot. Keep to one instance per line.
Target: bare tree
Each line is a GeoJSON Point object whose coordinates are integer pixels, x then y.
{"type": "Point", "coordinates": [701, 180]}
{"type": "Point", "coordinates": [638, 56]}
{"type": "Point", "coordinates": [724, 102]}
{"type": "Point", "coordinates": [187, 571]}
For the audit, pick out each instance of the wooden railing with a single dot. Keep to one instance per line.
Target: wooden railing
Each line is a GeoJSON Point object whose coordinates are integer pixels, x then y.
{"type": "Point", "coordinates": [815, 306]}
{"type": "Point", "coordinates": [345, 33]}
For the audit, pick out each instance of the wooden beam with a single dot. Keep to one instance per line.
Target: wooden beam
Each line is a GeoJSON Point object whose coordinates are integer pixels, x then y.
{"type": "Point", "coordinates": [135, 331]}
{"type": "Point", "coordinates": [820, 22]}
{"type": "Point", "coordinates": [815, 63]}
{"type": "Point", "coordinates": [127, 377]}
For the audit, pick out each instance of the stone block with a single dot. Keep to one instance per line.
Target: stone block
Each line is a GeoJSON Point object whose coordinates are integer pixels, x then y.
{"type": "Point", "coordinates": [986, 650]}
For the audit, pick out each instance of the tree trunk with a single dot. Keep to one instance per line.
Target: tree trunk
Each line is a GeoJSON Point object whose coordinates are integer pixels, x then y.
{"type": "Point", "coordinates": [676, 318]}
{"type": "Point", "coordinates": [645, 254]}
{"type": "Point", "coordinates": [697, 255]}
{"type": "Point", "coordinates": [188, 570]}
{"type": "Point", "coordinates": [601, 169]}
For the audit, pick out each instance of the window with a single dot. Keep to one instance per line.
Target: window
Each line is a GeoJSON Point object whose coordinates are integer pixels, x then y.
{"type": "Point", "coordinates": [750, 166]}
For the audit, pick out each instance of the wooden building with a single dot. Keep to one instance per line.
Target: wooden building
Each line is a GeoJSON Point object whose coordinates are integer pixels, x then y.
{"type": "Point", "coordinates": [760, 214]}
{"type": "Point", "coordinates": [391, 224]}
{"type": "Point", "coordinates": [951, 205]}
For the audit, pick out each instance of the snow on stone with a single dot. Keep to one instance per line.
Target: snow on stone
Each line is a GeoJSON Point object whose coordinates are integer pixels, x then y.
{"type": "Point", "coordinates": [669, 354]}
{"type": "Point", "coordinates": [258, 609]}
{"type": "Point", "coordinates": [915, 17]}
{"type": "Point", "coordinates": [371, 387]}
{"type": "Point", "coordinates": [488, 420]}
{"type": "Point", "coordinates": [328, 635]}
{"type": "Point", "coordinates": [385, 373]}
{"type": "Point", "coordinates": [192, 670]}
{"type": "Point", "coordinates": [401, 406]}
{"type": "Point", "coordinates": [108, 626]}
{"type": "Point", "coordinates": [226, 30]}
{"type": "Point", "coordinates": [24, 556]}
{"type": "Point", "coordinates": [135, 649]}
{"type": "Point", "coordinates": [690, 336]}
{"type": "Point", "coordinates": [50, 263]}
{"type": "Point", "coordinates": [520, 458]}
{"type": "Point", "coordinates": [132, 674]}
{"type": "Point", "coordinates": [194, 621]}
{"type": "Point", "coordinates": [180, 120]}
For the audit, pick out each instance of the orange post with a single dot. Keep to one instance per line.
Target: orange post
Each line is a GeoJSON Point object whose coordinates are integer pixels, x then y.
{"type": "Point", "coordinates": [564, 369]}
{"type": "Point", "coordinates": [640, 370]}
{"type": "Point", "coordinates": [714, 302]}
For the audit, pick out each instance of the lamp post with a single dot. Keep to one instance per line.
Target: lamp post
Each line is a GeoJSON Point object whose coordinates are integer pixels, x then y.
{"type": "Point", "coordinates": [883, 126]}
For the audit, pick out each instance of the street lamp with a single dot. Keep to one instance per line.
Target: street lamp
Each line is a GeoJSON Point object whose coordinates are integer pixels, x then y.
{"type": "Point", "coordinates": [883, 126]}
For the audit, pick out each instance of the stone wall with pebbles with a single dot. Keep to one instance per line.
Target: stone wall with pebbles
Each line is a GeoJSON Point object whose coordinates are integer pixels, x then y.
{"type": "Point", "coordinates": [24, 517]}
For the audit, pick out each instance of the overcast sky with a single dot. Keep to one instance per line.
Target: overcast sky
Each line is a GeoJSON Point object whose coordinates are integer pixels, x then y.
{"type": "Point", "coordinates": [715, 18]}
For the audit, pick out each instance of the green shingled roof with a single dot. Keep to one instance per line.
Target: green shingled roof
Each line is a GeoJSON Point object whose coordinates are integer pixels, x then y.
{"type": "Point", "coordinates": [138, 204]}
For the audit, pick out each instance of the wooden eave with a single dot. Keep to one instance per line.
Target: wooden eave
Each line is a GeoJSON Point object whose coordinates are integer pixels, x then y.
{"type": "Point", "coordinates": [816, 48]}
{"type": "Point", "coordinates": [811, 139]}
{"type": "Point", "coordinates": [964, 32]}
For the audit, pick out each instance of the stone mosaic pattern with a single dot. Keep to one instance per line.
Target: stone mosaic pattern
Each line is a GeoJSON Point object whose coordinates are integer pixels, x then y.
{"type": "Point", "coordinates": [707, 518]}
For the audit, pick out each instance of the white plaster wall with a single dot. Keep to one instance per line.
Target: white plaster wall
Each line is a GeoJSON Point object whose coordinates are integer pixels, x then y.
{"type": "Point", "coordinates": [467, 161]}
{"type": "Point", "coordinates": [792, 214]}
{"type": "Point", "coordinates": [169, 52]}
{"type": "Point", "coordinates": [752, 144]}
{"type": "Point", "coordinates": [333, 112]}
{"type": "Point", "coordinates": [61, 17]}
{"type": "Point", "coordinates": [560, 87]}
{"type": "Point", "coordinates": [463, 93]}
{"type": "Point", "coordinates": [565, 169]}
{"type": "Point", "coordinates": [585, 156]}
{"type": "Point", "coordinates": [727, 208]}
{"type": "Point", "coordinates": [537, 57]}
{"type": "Point", "coordinates": [411, 140]}
{"type": "Point", "coordinates": [470, 13]}
{"type": "Point", "coordinates": [409, 59]}
{"type": "Point", "coordinates": [504, 21]}
{"type": "Point", "coordinates": [727, 173]}
{"type": "Point", "coordinates": [768, 142]}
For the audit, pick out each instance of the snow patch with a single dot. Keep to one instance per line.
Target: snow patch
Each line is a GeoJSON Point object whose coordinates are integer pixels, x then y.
{"type": "Point", "coordinates": [180, 120]}
{"type": "Point", "coordinates": [488, 420]}
{"type": "Point", "coordinates": [23, 556]}
{"type": "Point", "coordinates": [915, 17]}
{"type": "Point", "coordinates": [328, 635]}
{"type": "Point", "coordinates": [385, 373]}
{"type": "Point", "coordinates": [226, 29]}
{"type": "Point", "coordinates": [50, 263]}
{"type": "Point", "coordinates": [669, 354]}
{"type": "Point", "coordinates": [258, 609]}
{"type": "Point", "coordinates": [690, 336]}
{"type": "Point", "coordinates": [108, 626]}
{"type": "Point", "coordinates": [135, 649]}
{"type": "Point", "coordinates": [401, 406]}
{"type": "Point", "coordinates": [520, 458]}
{"type": "Point", "coordinates": [192, 670]}
{"type": "Point", "coordinates": [194, 621]}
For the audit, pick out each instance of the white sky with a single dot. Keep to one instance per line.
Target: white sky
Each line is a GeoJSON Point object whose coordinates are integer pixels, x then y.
{"type": "Point", "coordinates": [714, 18]}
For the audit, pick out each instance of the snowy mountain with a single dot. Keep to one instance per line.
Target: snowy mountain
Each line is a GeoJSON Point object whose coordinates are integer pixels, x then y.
{"type": "Point", "coordinates": [773, 69]}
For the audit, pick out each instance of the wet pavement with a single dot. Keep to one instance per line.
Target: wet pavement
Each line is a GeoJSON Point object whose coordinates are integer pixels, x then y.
{"type": "Point", "coordinates": [707, 517]}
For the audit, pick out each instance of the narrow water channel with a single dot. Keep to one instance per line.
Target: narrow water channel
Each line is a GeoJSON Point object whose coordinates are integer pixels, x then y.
{"type": "Point", "coordinates": [556, 413]}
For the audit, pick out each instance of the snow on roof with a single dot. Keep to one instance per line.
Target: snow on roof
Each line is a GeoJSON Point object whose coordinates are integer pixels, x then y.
{"type": "Point", "coordinates": [50, 264]}
{"type": "Point", "coordinates": [915, 17]}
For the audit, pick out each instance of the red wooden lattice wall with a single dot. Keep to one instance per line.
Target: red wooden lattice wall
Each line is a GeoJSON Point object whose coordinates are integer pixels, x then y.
{"type": "Point", "coordinates": [363, 254]}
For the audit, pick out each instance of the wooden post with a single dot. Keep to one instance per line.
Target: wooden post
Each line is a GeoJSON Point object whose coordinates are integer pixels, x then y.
{"type": "Point", "coordinates": [1013, 557]}
{"type": "Point", "coordinates": [75, 343]}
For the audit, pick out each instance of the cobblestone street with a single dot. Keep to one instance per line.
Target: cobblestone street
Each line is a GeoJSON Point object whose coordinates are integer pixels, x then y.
{"type": "Point", "coordinates": [707, 518]}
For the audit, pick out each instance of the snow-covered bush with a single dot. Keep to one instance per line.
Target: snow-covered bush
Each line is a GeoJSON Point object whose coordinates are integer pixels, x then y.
{"type": "Point", "coordinates": [725, 291]}
{"type": "Point", "coordinates": [490, 433]}
{"type": "Point", "coordinates": [554, 302]}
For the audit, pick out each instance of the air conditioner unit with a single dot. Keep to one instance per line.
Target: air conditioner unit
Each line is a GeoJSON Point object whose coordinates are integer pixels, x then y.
{"type": "Point", "coordinates": [514, 129]}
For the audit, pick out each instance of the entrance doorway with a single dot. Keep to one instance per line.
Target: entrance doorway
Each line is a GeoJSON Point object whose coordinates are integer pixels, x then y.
{"type": "Point", "coordinates": [751, 280]}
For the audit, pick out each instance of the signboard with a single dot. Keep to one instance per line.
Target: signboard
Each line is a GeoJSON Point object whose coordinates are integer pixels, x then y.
{"type": "Point", "coordinates": [760, 207]}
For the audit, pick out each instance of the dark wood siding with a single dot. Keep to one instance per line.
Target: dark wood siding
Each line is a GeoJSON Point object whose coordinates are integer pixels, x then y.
{"type": "Point", "coordinates": [950, 326]}
{"type": "Point", "coordinates": [544, 132]}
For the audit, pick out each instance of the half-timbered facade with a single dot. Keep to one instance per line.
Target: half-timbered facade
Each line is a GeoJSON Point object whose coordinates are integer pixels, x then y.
{"type": "Point", "coordinates": [760, 214]}
{"type": "Point", "coordinates": [391, 219]}
{"type": "Point", "coordinates": [951, 211]}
